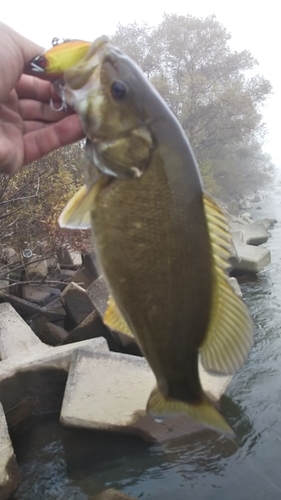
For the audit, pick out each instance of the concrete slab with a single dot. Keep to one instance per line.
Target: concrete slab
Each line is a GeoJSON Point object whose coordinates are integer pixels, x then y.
{"type": "Point", "coordinates": [15, 335]}
{"type": "Point", "coordinates": [91, 327]}
{"type": "Point", "coordinates": [91, 263]}
{"type": "Point", "coordinates": [36, 268]}
{"type": "Point", "coordinates": [42, 356]}
{"type": "Point", "coordinates": [253, 234]}
{"type": "Point", "coordinates": [268, 223]}
{"type": "Point", "coordinates": [253, 259]}
{"type": "Point", "coordinates": [4, 278]}
{"type": "Point", "coordinates": [83, 277]}
{"type": "Point", "coordinates": [110, 391]}
{"type": "Point", "coordinates": [235, 286]}
{"type": "Point", "coordinates": [99, 294]}
{"type": "Point", "coordinates": [76, 302]}
{"type": "Point", "coordinates": [9, 470]}
{"type": "Point", "coordinates": [69, 258]}
{"type": "Point", "coordinates": [50, 333]}
{"type": "Point", "coordinates": [237, 237]}
{"type": "Point", "coordinates": [41, 294]}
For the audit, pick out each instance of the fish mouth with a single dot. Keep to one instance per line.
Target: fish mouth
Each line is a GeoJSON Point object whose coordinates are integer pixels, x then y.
{"type": "Point", "coordinates": [82, 85]}
{"type": "Point", "coordinates": [84, 71]}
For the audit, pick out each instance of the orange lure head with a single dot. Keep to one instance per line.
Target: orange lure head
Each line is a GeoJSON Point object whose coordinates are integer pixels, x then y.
{"type": "Point", "coordinates": [53, 62]}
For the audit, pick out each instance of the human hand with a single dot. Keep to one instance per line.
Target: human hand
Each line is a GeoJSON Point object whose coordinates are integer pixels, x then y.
{"type": "Point", "coordinates": [29, 128]}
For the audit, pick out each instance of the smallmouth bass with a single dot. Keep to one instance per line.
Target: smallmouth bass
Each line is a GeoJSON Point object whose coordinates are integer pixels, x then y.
{"type": "Point", "coordinates": [162, 242]}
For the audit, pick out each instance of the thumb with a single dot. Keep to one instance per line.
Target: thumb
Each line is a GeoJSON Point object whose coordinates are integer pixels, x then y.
{"type": "Point", "coordinates": [15, 52]}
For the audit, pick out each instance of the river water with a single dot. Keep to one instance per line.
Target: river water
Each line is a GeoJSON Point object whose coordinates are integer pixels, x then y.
{"type": "Point", "coordinates": [59, 464]}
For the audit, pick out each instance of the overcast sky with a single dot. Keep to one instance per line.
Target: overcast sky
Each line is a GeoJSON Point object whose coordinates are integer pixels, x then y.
{"type": "Point", "coordinates": [254, 26]}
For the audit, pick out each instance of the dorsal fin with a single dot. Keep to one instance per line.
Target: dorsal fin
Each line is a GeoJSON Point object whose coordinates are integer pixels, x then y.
{"type": "Point", "coordinates": [230, 333]}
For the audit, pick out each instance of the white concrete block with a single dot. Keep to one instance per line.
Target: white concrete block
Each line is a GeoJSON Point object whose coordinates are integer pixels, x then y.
{"type": "Point", "coordinates": [76, 302]}
{"type": "Point", "coordinates": [235, 286]}
{"type": "Point", "coordinates": [15, 335]}
{"type": "Point", "coordinates": [104, 390]}
{"type": "Point", "coordinates": [253, 259]}
{"type": "Point", "coordinates": [253, 234]}
{"type": "Point", "coordinates": [43, 356]}
{"type": "Point", "coordinates": [110, 391]}
{"type": "Point", "coordinates": [9, 470]}
{"type": "Point", "coordinates": [36, 268]}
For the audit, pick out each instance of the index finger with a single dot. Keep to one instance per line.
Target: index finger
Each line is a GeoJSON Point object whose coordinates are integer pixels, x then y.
{"type": "Point", "coordinates": [31, 87]}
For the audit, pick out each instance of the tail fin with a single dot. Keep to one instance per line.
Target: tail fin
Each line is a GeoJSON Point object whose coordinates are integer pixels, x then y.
{"type": "Point", "coordinates": [204, 413]}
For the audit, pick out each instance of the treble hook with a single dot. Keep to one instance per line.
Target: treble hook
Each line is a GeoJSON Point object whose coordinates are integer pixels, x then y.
{"type": "Point", "coordinates": [61, 92]}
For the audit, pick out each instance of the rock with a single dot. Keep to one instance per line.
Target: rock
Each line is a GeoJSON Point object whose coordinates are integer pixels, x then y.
{"type": "Point", "coordinates": [253, 259]}
{"type": "Point", "coordinates": [91, 327]}
{"type": "Point", "coordinates": [111, 494]}
{"type": "Point", "coordinates": [76, 302]}
{"type": "Point", "coordinates": [36, 268]}
{"type": "Point", "coordinates": [235, 286]}
{"type": "Point", "coordinates": [40, 295]}
{"type": "Point", "coordinates": [9, 471]}
{"type": "Point", "coordinates": [69, 259]}
{"type": "Point", "coordinates": [15, 335]}
{"type": "Point", "coordinates": [110, 391]}
{"type": "Point", "coordinates": [98, 293]}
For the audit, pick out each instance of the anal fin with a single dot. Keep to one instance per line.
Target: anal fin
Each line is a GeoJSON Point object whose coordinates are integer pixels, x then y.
{"type": "Point", "coordinates": [114, 319]}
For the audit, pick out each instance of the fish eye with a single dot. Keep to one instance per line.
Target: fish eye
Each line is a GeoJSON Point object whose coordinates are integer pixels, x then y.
{"type": "Point", "coordinates": [118, 90]}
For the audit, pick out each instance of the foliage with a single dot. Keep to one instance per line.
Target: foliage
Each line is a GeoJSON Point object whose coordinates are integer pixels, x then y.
{"type": "Point", "coordinates": [212, 90]}
{"type": "Point", "coordinates": [32, 200]}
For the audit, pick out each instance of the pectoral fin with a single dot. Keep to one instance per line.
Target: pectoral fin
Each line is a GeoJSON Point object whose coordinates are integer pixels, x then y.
{"type": "Point", "coordinates": [204, 413]}
{"type": "Point", "coordinates": [230, 333]}
{"type": "Point", "coordinates": [77, 213]}
{"type": "Point", "coordinates": [114, 319]}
